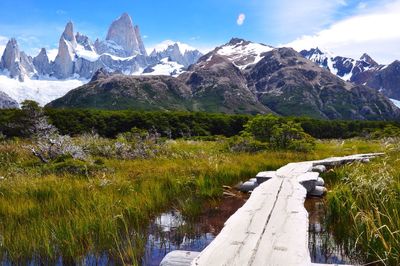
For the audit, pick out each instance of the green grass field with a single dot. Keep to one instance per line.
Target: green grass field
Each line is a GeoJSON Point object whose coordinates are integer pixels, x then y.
{"type": "Point", "coordinates": [46, 212]}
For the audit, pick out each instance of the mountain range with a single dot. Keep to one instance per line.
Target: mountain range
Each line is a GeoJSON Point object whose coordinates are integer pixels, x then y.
{"type": "Point", "coordinates": [123, 50]}
{"type": "Point", "coordinates": [238, 77]}
{"type": "Point", "coordinates": [365, 71]}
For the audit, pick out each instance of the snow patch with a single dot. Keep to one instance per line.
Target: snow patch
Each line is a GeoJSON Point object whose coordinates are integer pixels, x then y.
{"type": "Point", "coordinates": [41, 91]}
{"type": "Point", "coordinates": [396, 102]}
{"type": "Point", "coordinates": [238, 51]}
{"type": "Point", "coordinates": [86, 54]}
{"type": "Point", "coordinates": [166, 68]}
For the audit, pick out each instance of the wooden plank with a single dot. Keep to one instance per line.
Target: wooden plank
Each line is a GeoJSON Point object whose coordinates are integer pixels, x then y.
{"type": "Point", "coordinates": [272, 226]}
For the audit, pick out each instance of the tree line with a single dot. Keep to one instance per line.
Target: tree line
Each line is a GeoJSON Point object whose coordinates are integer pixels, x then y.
{"type": "Point", "coordinates": [182, 124]}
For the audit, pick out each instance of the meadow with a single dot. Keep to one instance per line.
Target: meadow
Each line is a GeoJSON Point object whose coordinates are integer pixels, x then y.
{"type": "Point", "coordinates": [68, 211]}
{"type": "Point", "coordinates": [66, 199]}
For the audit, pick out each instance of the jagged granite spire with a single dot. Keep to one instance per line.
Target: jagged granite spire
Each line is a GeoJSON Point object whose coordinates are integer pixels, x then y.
{"type": "Point", "coordinates": [140, 41]}
{"type": "Point", "coordinates": [64, 62]}
{"type": "Point", "coordinates": [11, 54]}
{"type": "Point", "coordinates": [123, 34]}
{"type": "Point", "coordinates": [17, 63]}
{"type": "Point", "coordinates": [68, 33]}
{"type": "Point", "coordinates": [42, 62]}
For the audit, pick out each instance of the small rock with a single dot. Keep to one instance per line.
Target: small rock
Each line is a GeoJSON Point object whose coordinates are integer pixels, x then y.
{"type": "Point", "coordinates": [320, 182]}
{"type": "Point", "coordinates": [248, 186]}
{"type": "Point", "coordinates": [318, 191]}
{"type": "Point", "coordinates": [319, 168]}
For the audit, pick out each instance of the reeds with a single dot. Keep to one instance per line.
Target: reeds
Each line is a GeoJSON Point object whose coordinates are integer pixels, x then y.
{"type": "Point", "coordinates": [364, 206]}
{"type": "Point", "coordinates": [47, 215]}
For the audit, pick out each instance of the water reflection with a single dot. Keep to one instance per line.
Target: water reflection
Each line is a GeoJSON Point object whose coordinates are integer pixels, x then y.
{"type": "Point", "coordinates": [321, 241]}
{"type": "Point", "coordinates": [170, 231]}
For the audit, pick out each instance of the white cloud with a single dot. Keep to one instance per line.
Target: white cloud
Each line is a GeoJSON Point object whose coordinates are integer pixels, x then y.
{"type": "Point", "coordinates": [373, 32]}
{"type": "Point", "coordinates": [241, 18]}
{"type": "Point", "coordinates": [288, 19]}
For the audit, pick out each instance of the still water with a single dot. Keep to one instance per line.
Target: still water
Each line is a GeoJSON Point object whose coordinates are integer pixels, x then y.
{"type": "Point", "coordinates": [170, 232]}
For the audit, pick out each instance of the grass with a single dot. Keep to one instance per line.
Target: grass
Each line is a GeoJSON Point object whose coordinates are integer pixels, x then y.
{"type": "Point", "coordinates": [45, 214]}
{"type": "Point", "coordinates": [364, 207]}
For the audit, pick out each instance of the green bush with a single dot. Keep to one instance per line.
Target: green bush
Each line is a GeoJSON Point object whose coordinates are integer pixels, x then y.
{"type": "Point", "coordinates": [279, 133]}
{"type": "Point", "coordinates": [290, 136]}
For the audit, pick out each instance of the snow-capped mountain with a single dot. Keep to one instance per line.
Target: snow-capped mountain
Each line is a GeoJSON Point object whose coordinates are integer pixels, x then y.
{"type": "Point", "coordinates": [243, 53]}
{"type": "Point", "coordinates": [346, 68]}
{"type": "Point", "coordinates": [165, 67]}
{"type": "Point", "coordinates": [238, 77]}
{"type": "Point", "coordinates": [179, 52]}
{"type": "Point", "coordinates": [78, 58]}
{"type": "Point", "coordinates": [364, 71]}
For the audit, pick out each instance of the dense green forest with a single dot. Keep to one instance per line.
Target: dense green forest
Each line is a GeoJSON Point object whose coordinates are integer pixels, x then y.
{"type": "Point", "coordinates": [184, 124]}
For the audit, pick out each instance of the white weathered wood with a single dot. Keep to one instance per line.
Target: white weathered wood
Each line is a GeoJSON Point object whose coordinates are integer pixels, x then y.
{"type": "Point", "coordinates": [179, 258]}
{"type": "Point", "coordinates": [265, 176]}
{"type": "Point", "coordinates": [271, 228]}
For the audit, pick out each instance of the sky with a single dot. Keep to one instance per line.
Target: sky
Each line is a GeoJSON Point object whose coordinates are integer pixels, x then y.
{"type": "Point", "coordinates": [343, 27]}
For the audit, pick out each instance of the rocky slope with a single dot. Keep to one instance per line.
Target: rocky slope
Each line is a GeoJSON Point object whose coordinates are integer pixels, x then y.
{"type": "Point", "coordinates": [239, 77]}
{"type": "Point", "coordinates": [6, 102]}
{"type": "Point", "coordinates": [292, 85]}
{"type": "Point", "coordinates": [364, 71]}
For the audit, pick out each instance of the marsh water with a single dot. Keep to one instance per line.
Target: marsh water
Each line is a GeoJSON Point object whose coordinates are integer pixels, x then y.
{"type": "Point", "coordinates": [170, 231]}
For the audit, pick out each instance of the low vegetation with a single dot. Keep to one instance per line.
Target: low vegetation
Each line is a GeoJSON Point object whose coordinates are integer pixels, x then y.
{"type": "Point", "coordinates": [364, 207]}
{"type": "Point", "coordinates": [67, 197]}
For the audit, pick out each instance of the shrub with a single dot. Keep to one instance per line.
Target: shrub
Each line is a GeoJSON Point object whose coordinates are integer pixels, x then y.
{"type": "Point", "coordinates": [290, 136]}
{"type": "Point", "coordinates": [279, 133]}
{"type": "Point", "coordinates": [260, 127]}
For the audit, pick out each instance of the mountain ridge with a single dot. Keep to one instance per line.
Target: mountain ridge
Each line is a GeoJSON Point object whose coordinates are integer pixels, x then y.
{"type": "Point", "coordinates": [259, 79]}
{"type": "Point", "coordinates": [364, 71]}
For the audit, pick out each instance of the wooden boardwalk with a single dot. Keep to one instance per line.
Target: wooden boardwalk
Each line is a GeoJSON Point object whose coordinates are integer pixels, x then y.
{"type": "Point", "coordinates": [272, 226]}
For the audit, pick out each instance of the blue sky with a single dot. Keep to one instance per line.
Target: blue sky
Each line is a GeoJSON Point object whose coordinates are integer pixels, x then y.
{"type": "Point", "coordinates": [203, 24]}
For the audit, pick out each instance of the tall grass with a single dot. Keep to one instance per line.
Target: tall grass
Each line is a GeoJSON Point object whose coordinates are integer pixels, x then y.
{"type": "Point", "coordinates": [364, 206]}
{"type": "Point", "coordinates": [45, 214]}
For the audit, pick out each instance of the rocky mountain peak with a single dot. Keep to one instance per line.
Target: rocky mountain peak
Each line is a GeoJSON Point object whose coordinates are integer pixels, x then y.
{"type": "Point", "coordinates": [17, 63]}
{"type": "Point", "coordinates": [84, 41]}
{"type": "Point", "coordinates": [11, 54]}
{"type": "Point", "coordinates": [68, 33]}
{"type": "Point", "coordinates": [235, 41]}
{"type": "Point", "coordinates": [368, 59]}
{"type": "Point", "coordinates": [122, 33]}
{"type": "Point", "coordinates": [64, 65]}
{"type": "Point", "coordinates": [41, 62]}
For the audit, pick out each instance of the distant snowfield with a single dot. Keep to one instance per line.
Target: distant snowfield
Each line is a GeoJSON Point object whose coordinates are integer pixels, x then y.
{"type": "Point", "coordinates": [166, 68]}
{"type": "Point", "coordinates": [396, 102]}
{"type": "Point", "coordinates": [238, 51]}
{"type": "Point", "coordinates": [41, 91]}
